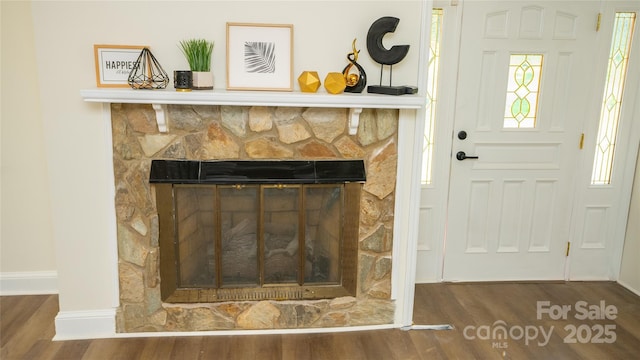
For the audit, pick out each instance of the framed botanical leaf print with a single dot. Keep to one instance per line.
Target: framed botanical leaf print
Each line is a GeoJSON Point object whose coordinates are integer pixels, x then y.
{"type": "Point", "coordinates": [259, 57]}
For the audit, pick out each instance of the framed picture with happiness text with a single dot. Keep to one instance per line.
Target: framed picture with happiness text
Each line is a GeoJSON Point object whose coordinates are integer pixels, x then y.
{"type": "Point", "coordinates": [114, 63]}
{"type": "Point", "coordinates": [259, 57]}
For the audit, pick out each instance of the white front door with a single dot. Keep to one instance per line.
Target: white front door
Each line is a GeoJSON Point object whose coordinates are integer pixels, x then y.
{"type": "Point", "coordinates": [509, 211]}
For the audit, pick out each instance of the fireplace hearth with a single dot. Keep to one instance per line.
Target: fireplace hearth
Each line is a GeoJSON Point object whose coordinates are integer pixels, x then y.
{"type": "Point", "coordinates": [257, 230]}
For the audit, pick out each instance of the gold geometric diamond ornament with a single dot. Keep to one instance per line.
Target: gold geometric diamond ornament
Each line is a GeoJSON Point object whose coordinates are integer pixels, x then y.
{"type": "Point", "coordinates": [309, 81]}
{"type": "Point", "coordinates": [335, 83]}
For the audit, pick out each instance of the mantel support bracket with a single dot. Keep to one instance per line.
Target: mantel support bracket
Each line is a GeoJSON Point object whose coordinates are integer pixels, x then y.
{"type": "Point", "coordinates": [161, 119]}
{"type": "Point", "coordinates": [354, 120]}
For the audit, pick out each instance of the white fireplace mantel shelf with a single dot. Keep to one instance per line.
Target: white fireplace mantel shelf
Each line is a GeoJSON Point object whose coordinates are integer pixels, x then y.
{"type": "Point", "coordinates": [159, 99]}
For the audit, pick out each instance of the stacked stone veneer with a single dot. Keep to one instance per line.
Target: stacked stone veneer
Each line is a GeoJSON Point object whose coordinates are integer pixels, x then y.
{"type": "Point", "coordinates": [233, 132]}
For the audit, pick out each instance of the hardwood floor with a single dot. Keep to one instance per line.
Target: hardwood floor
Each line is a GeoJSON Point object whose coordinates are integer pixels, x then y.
{"type": "Point", "coordinates": [474, 310]}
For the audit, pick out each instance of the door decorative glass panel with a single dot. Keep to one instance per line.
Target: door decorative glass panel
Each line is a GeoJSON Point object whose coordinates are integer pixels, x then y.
{"type": "Point", "coordinates": [523, 87]}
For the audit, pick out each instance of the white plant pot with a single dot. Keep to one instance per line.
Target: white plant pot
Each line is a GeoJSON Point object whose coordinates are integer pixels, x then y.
{"type": "Point", "coordinates": [202, 80]}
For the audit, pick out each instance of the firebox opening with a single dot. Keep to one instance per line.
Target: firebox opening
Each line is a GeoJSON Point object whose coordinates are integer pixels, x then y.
{"type": "Point", "coordinates": [254, 230]}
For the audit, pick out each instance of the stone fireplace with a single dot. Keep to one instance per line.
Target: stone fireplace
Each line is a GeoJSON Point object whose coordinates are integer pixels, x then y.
{"type": "Point", "coordinates": [256, 133]}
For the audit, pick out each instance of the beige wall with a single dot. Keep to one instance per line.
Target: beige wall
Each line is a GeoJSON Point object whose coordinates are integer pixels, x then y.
{"type": "Point", "coordinates": [26, 232]}
{"type": "Point", "coordinates": [75, 135]}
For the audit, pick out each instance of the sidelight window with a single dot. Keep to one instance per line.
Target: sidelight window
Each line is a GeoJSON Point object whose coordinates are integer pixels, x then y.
{"type": "Point", "coordinates": [612, 98]}
{"type": "Point", "coordinates": [432, 94]}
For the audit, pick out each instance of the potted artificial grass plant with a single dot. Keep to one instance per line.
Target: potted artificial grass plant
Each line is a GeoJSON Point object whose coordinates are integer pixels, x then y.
{"type": "Point", "coordinates": [198, 53]}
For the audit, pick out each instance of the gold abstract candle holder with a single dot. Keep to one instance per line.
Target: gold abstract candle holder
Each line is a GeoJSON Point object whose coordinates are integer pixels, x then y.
{"type": "Point", "coordinates": [354, 74]}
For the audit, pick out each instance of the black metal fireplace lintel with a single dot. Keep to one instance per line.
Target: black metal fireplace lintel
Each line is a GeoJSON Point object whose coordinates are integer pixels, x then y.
{"type": "Point", "coordinates": [257, 171]}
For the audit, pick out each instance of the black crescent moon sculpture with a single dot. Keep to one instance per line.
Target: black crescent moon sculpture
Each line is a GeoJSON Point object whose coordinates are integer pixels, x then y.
{"type": "Point", "coordinates": [377, 51]}
{"type": "Point", "coordinates": [384, 56]}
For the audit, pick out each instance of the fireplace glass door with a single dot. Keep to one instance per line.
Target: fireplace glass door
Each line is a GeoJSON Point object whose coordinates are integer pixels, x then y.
{"type": "Point", "coordinates": [257, 241]}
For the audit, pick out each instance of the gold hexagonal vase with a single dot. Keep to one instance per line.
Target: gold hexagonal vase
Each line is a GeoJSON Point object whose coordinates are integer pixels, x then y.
{"type": "Point", "coordinates": [335, 83]}
{"type": "Point", "coordinates": [309, 81]}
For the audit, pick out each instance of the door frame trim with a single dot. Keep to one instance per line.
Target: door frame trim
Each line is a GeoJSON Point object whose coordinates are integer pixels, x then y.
{"type": "Point", "coordinates": [630, 154]}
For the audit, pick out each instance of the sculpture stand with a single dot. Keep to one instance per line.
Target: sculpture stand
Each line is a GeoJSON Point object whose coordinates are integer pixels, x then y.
{"type": "Point", "coordinates": [390, 90]}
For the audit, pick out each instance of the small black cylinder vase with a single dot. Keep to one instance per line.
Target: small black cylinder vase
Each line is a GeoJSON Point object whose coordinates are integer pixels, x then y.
{"type": "Point", "coordinates": [183, 80]}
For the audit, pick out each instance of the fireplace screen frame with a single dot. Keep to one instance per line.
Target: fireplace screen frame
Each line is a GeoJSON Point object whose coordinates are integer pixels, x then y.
{"type": "Point", "coordinates": [172, 291]}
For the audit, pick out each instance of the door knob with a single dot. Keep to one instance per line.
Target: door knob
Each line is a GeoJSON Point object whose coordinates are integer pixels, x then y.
{"type": "Point", "coordinates": [460, 155]}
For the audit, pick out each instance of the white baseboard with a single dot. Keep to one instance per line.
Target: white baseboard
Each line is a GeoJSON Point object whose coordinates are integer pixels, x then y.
{"type": "Point", "coordinates": [101, 324]}
{"type": "Point", "coordinates": [88, 324]}
{"type": "Point", "coordinates": [28, 283]}
{"type": "Point", "coordinates": [629, 287]}
{"type": "Point", "coordinates": [246, 332]}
